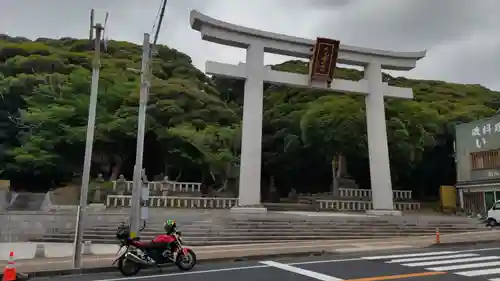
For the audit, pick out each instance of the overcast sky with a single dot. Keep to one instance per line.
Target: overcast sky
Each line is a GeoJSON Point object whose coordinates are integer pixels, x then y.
{"type": "Point", "coordinates": [462, 36]}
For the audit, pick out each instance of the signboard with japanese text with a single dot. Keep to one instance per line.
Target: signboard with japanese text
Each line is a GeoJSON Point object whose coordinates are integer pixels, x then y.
{"type": "Point", "coordinates": [324, 60]}
{"type": "Point", "coordinates": [476, 136]}
{"type": "Point", "coordinates": [485, 174]}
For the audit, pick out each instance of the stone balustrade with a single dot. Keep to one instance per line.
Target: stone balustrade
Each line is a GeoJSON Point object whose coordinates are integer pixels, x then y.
{"type": "Point", "coordinates": [367, 193]}
{"type": "Point", "coordinates": [160, 186]}
{"type": "Point", "coordinates": [119, 201]}
{"type": "Point", "coordinates": [346, 205]}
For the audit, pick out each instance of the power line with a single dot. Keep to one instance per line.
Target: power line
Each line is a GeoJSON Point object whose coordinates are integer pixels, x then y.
{"type": "Point", "coordinates": [160, 21]}
{"type": "Point", "coordinates": [156, 18]}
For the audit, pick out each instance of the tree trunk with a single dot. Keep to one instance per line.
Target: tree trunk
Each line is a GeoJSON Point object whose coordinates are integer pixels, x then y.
{"type": "Point", "coordinates": [116, 168]}
{"type": "Point", "coordinates": [336, 173]}
{"type": "Point", "coordinates": [165, 168]}
{"type": "Point", "coordinates": [179, 175]}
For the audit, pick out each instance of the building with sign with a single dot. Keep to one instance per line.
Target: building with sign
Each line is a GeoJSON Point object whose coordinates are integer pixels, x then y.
{"type": "Point", "coordinates": [477, 148]}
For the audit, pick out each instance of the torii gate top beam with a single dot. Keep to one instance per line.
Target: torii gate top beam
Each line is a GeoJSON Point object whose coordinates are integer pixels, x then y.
{"type": "Point", "coordinates": [229, 34]}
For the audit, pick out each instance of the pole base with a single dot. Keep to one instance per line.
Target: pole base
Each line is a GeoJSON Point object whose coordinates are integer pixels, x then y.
{"type": "Point", "coordinates": [384, 212]}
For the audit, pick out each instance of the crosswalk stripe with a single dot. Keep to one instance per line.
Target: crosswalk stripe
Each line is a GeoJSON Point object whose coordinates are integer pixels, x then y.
{"type": "Point", "coordinates": [479, 272]}
{"type": "Point", "coordinates": [495, 279]}
{"type": "Point", "coordinates": [433, 258]}
{"type": "Point", "coordinates": [464, 266]}
{"type": "Point", "coordinates": [408, 255]}
{"type": "Point", "coordinates": [440, 262]}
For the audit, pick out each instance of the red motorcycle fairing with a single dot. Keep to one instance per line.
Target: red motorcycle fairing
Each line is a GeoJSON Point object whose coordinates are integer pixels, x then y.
{"type": "Point", "coordinates": [163, 238]}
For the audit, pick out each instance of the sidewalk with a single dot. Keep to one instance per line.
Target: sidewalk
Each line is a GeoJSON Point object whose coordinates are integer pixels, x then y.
{"type": "Point", "coordinates": [103, 262]}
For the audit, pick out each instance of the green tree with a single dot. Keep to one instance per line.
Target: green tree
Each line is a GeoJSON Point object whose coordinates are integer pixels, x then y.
{"type": "Point", "coordinates": [193, 121]}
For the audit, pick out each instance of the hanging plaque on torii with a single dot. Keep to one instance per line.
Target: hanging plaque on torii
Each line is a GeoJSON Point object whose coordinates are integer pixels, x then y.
{"type": "Point", "coordinates": [323, 61]}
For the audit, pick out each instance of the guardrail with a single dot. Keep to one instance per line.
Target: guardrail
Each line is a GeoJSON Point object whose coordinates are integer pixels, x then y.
{"type": "Point", "coordinates": [367, 193]}
{"type": "Point", "coordinates": [346, 205]}
{"type": "Point", "coordinates": [120, 201]}
{"type": "Point", "coordinates": [117, 201]}
{"type": "Point", "coordinates": [159, 186]}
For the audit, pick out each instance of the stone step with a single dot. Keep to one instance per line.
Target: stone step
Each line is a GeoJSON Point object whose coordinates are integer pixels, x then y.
{"type": "Point", "coordinates": [233, 239]}
{"type": "Point", "coordinates": [214, 242]}
{"type": "Point", "coordinates": [323, 226]}
{"type": "Point", "coordinates": [114, 241]}
{"type": "Point", "coordinates": [294, 230]}
{"type": "Point", "coordinates": [236, 234]}
{"type": "Point", "coordinates": [291, 224]}
{"type": "Point", "coordinates": [309, 224]}
{"type": "Point", "coordinates": [294, 220]}
{"type": "Point", "coordinates": [258, 232]}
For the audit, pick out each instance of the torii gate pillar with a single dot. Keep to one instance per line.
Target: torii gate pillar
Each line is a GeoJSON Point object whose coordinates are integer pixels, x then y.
{"type": "Point", "coordinates": [257, 42]}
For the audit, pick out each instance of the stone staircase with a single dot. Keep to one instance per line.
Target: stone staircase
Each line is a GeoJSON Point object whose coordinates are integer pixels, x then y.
{"type": "Point", "coordinates": [220, 231]}
{"type": "Point", "coordinates": [291, 206]}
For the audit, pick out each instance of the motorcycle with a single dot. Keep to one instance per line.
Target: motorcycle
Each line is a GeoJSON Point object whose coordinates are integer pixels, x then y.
{"type": "Point", "coordinates": [138, 254]}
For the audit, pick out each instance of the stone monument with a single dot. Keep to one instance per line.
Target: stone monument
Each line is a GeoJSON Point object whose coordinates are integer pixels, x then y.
{"type": "Point", "coordinates": [257, 42]}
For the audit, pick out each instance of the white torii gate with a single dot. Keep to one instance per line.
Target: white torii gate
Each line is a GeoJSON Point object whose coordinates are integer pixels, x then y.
{"type": "Point", "coordinates": [257, 42]}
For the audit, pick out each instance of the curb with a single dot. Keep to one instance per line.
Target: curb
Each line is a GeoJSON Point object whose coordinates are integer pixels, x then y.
{"type": "Point", "coordinates": [464, 243]}
{"type": "Point", "coordinates": [107, 269]}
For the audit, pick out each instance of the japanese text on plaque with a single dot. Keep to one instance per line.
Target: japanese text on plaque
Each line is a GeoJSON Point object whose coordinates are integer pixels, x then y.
{"type": "Point", "coordinates": [481, 132]}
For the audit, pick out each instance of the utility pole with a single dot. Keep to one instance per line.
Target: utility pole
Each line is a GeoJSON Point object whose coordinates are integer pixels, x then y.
{"type": "Point", "coordinates": [141, 131]}
{"type": "Point", "coordinates": [96, 65]}
{"type": "Point", "coordinates": [140, 192]}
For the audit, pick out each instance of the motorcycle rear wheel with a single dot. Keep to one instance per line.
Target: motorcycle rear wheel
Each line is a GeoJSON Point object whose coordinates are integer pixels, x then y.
{"type": "Point", "coordinates": [187, 261]}
{"type": "Point", "coordinates": [128, 267]}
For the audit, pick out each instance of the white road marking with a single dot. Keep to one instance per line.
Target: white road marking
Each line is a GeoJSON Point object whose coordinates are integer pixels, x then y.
{"type": "Point", "coordinates": [454, 263]}
{"type": "Point", "coordinates": [323, 261]}
{"type": "Point", "coordinates": [304, 272]}
{"type": "Point", "coordinates": [479, 272]}
{"type": "Point", "coordinates": [441, 262]}
{"type": "Point", "coordinates": [222, 270]}
{"type": "Point", "coordinates": [408, 255]}
{"type": "Point", "coordinates": [363, 248]}
{"type": "Point", "coordinates": [464, 266]}
{"type": "Point", "coordinates": [433, 258]}
{"type": "Point", "coordinates": [294, 263]}
{"type": "Point", "coordinates": [184, 273]}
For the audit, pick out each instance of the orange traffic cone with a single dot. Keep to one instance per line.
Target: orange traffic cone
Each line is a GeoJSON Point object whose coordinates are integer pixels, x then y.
{"type": "Point", "coordinates": [9, 273]}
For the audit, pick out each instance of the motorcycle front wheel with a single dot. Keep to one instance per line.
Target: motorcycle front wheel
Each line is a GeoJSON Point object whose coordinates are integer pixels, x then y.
{"type": "Point", "coordinates": [186, 261]}
{"type": "Point", "coordinates": [128, 267]}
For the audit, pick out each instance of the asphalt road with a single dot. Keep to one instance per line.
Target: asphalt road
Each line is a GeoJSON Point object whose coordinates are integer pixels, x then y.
{"type": "Point", "coordinates": [472, 263]}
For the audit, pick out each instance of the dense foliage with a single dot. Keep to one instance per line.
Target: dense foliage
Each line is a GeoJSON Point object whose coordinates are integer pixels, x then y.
{"type": "Point", "coordinates": [193, 124]}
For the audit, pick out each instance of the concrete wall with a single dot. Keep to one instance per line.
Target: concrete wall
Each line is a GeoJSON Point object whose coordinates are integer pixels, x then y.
{"type": "Point", "coordinates": [26, 225]}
